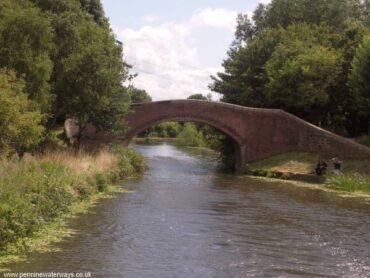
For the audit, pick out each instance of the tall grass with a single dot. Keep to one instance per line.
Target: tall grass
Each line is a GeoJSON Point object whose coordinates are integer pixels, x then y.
{"type": "Point", "coordinates": [349, 182]}
{"type": "Point", "coordinates": [36, 190]}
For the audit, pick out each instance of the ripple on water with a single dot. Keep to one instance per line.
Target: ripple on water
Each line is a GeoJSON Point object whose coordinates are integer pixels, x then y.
{"type": "Point", "coordinates": [186, 220]}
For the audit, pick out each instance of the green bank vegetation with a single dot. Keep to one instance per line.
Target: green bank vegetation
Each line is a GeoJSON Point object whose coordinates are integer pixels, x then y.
{"type": "Point", "coordinates": [353, 182]}
{"type": "Point", "coordinates": [44, 46]}
{"type": "Point", "coordinates": [35, 191]}
{"type": "Point", "coordinates": [355, 176]}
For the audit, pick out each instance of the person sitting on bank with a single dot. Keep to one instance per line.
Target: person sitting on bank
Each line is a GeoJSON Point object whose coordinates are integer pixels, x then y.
{"type": "Point", "coordinates": [337, 165]}
{"type": "Point", "coordinates": [321, 168]}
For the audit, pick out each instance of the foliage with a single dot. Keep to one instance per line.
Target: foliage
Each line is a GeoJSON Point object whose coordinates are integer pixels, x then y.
{"type": "Point", "coordinates": [97, 95]}
{"type": "Point", "coordinates": [20, 123]}
{"type": "Point", "coordinates": [95, 9]}
{"type": "Point", "coordinates": [287, 12]}
{"type": "Point", "coordinates": [129, 161]}
{"type": "Point", "coordinates": [190, 136]}
{"type": "Point", "coordinates": [245, 77]}
{"type": "Point", "coordinates": [349, 182]}
{"type": "Point", "coordinates": [33, 193]}
{"type": "Point", "coordinates": [138, 95]}
{"type": "Point", "coordinates": [359, 81]}
{"type": "Point", "coordinates": [201, 97]}
{"type": "Point", "coordinates": [26, 46]}
{"type": "Point", "coordinates": [296, 55]}
{"type": "Point", "coordinates": [301, 71]}
{"type": "Point", "coordinates": [164, 130]}
{"type": "Point", "coordinates": [69, 58]}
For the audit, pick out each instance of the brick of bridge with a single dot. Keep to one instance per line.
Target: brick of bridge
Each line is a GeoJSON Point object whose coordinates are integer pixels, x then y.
{"type": "Point", "coordinates": [257, 133]}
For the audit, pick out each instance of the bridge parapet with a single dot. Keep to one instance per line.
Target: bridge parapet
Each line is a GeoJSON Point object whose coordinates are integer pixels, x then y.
{"type": "Point", "coordinates": [257, 133]}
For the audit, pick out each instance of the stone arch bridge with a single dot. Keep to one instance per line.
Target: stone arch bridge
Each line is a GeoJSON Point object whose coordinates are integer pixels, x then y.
{"type": "Point", "coordinates": [257, 133]}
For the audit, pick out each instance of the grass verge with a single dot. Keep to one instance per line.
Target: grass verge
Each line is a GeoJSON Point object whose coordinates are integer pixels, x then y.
{"type": "Point", "coordinates": [349, 182]}
{"type": "Point", "coordinates": [37, 194]}
{"type": "Point", "coordinates": [355, 176]}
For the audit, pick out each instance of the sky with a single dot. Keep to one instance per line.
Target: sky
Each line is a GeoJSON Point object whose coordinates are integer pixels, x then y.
{"type": "Point", "coordinates": [175, 46]}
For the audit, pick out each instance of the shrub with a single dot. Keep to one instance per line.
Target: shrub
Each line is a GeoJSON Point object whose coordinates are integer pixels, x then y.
{"type": "Point", "coordinates": [101, 182]}
{"type": "Point", "coordinates": [349, 182]}
{"type": "Point", "coordinates": [20, 123]}
{"type": "Point", "coordinates": [34, 192]}
{"type": "Point", "coordinates": [190, 137]}
{"type": "Point", "coordinates": [31, 193]}
{"type": "Point", "coordinates": [129, 162]}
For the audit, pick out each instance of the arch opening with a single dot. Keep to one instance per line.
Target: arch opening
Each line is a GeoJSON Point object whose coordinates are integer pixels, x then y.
{"type": "Point", "coordinates": [230, 149]}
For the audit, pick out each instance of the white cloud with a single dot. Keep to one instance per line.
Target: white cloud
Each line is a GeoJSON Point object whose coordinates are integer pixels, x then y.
{"type": "Point", "coordinates": [151, 18]}
{"type": "Point", "coordinates": [214, 18]}
{"type": "Point", "coordinates": [166, 56]}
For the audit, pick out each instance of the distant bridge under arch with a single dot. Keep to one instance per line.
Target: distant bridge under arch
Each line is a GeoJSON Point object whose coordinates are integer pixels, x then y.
{"type": "Point", "coordinates": [257, 133]}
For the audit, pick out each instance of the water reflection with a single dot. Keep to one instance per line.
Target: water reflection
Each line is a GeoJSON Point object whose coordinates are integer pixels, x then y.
{"type": "Point", "coordinates": [186, 220]}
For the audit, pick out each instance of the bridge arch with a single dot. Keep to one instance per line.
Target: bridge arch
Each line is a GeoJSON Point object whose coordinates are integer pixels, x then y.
{"type": "Point", "coordinates": [257, 133]}
{"type": "Point", "coordinates": [236, 138]}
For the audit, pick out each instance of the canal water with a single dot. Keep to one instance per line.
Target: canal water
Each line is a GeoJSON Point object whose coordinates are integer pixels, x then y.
{"type": "Point", "coordinates": [184, 219]}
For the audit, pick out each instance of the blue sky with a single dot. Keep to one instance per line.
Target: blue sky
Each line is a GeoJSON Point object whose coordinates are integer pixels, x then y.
{"type": "Point", "coordinates": [175, 46]}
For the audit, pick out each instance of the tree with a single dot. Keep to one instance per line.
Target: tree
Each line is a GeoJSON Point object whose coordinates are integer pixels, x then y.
{"type": "Point", "coordinates": [138, 95]}
{"type": "Point", "coordinates": [88, 73]}
{"type": "Point", "coordinates": [25, 46]}
{"type": "Point", "coordinates": [164, 130]}
{"type": "Point", "coordinates": [20, 122]}
{"type": "Point", "coordinates": [359, 81]}
{"type": "Point", "coordinates": [190, 136]}
{"type": "Point", "coordinates": [282, 13]}
{"type": "Point", "coordinates": [198, 97]}
{"type": "Point", "coordinates": [302, 70]}
{"type": "Point", "coordinates": [95, 8]}
{"type": "Point", "coordinates": [296, 55]}
{"type": "Point", "coordinates": [244, 78]}
{"type": "Point", "coordinates": [88, 70]}
{"type": "Point", "coordinates": [244, 30]}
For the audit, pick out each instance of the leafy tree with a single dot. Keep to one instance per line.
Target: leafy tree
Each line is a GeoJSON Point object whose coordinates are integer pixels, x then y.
{"type": "Point", "coordinates": [20, 122]}
{"type": "Point", "coordinates": [164, 130]}
{"type": "Point", "coordinates": [57, 7]}
{"type": "Point", "coordinates": [244, 30]}
{"type": "Point", "coordinates": [25, 46]}
{"type": "Point", "coordinates": [198, 97]}
{"type": "Point", "coordinates": [138, 95]}
{"type": "Point", "coordinates": [359, 81]}
{"type": "Point", "coordinates": [282, 13]}
{"type": "Point", "coordinates": [190, 136]}
{"type": "Point", "coordinates": [302, 71]}
{"type": "Point", "coordinates": [89, 70]}
{"type": "Point", "coordinates": [95, 8]}
{"type": "Point", "coordinates": [275, 60]}
{"type": "Point", "coordinates": [244, 78]}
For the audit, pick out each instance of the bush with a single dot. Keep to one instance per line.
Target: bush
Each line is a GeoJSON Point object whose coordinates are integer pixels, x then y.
{"type": "Point", "coordinates": [32, 193]}
{"type": "Point", "coordinates": [190, 137]}
{"type": "Point", "coordinates": [349, 182]}
{"type": "Point", "coordinates": [35, 192]}
{"type": "Point", "coordinates": [129, 162]}
{"type": "Point", "coordinates": [20, 123]}
{"type": "Point", "coordinates": [101, 182]}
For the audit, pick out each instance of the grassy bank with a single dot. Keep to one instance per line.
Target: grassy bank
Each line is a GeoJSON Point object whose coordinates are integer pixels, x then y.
{"type": "Point", "coordinates": [355, 176]}
{"type": "Point", "coordinates": [36, 192]}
